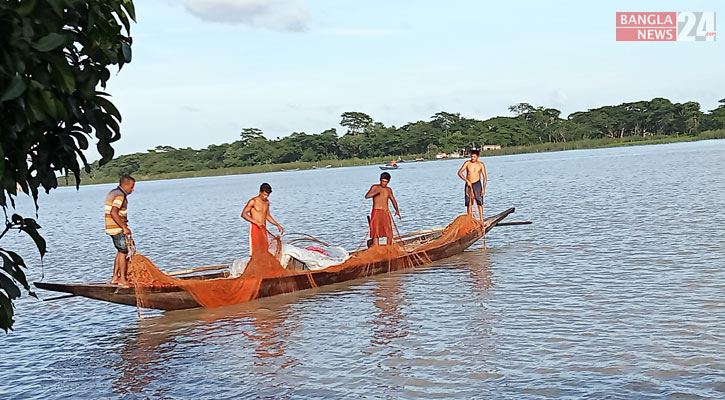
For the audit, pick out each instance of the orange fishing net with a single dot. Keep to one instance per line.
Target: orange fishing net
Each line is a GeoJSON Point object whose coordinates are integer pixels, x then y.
{"type": "Point", "coordinates": [148, 279]}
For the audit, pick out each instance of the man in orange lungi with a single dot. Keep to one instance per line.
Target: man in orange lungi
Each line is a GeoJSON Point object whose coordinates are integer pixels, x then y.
{"type": "Point", "coordinates": [257, 213]}
{"type": "Point", "coordinates": [381, 224]}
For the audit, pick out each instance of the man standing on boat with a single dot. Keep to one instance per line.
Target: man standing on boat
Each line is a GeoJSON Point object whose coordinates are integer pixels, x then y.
{"type": "Point", "coordinates": [256, 212]}
{"type": "Point", "coordinates": [475, 182]}
{"type": "Point", "coordinates": [117, 225]}
{"type": "Point", "coordinates": [381, 224]}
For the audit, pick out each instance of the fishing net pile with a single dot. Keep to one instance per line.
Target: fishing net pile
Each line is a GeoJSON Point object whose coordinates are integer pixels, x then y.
{"type": "Point", "coordinates": [263, 264]}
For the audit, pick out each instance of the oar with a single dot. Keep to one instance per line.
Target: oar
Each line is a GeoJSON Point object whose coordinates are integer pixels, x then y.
{"type": "Point", "coordinates": [370, 241]}
{"type": "Point", "coordinates": [419, 233]}
{"type": "Point", "coordinates": [514, 223]}
{"type": "Point", "coordinates": [59, 297]}
{"type": "Point", "coordinates": [192, 270]}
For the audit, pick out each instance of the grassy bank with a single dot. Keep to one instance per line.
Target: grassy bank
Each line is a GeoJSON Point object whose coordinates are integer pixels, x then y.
{"type": "Point", "coordinates": [542, 147]}
{"type": "Point", "coordinates": [605, 142]}
{"type": "Point", "coordinates": [255, 169]}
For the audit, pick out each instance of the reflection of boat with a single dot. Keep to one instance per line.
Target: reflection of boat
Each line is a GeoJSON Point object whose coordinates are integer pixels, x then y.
{"type": "Point", "coordinates": [420, 248]}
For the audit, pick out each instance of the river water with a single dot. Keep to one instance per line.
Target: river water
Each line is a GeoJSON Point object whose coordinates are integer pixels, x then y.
{"type": "Point", "coordinates": [617, 290]}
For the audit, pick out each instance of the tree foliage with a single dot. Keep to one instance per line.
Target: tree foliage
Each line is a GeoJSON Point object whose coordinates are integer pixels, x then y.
{"type": "Point", "coordinates": [54, 58]}
{"type": "Point", "coordinates": [444, 131]}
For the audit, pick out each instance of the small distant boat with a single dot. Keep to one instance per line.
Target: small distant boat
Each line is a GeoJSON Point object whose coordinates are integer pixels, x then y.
{"type": "Point", "coordinates": [390, 165]}
{"type": "Point", "coordinates": [419, 159]}
{"type": "Point", "coordinates": [290, 170]}
{"type": "Point", "coordinates": [328, 166]}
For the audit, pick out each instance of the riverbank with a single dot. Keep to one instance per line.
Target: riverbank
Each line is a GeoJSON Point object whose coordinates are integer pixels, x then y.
{"type": "Point", "coordinates": [537, 148]}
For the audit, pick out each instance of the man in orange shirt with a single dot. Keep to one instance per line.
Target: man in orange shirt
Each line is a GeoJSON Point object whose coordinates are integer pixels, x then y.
{"type": "Point", "coordinates": [381, 224]}
{"type": "Point", "coordinates": [117, 225]}
{"type": "Point", "coordinates": [256, 212]}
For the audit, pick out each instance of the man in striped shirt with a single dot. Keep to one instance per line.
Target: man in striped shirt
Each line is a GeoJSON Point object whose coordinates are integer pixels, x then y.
{"type": "Point", "coordinates": [117, 225]}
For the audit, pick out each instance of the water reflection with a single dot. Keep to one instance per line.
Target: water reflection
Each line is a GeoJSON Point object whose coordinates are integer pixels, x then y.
{"type": "Point", "coordinates": [143, 358]}
{"type": "Point", "coordinates": [480, 271]}
{"type": "Point", "coordinates": [244, 333]}
{"type": "Point", "coordinates": [389, 322]}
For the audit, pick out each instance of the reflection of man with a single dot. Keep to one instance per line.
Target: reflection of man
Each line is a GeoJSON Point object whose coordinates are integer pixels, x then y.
{"type": "Point", "coordinates": [381, 224]}
{"type": "Point", "coordinates": [117, 225]}
{"type": "Point", "coordinates": [475, 182]}
{"type": "Point", "coordinates": [257, 213]}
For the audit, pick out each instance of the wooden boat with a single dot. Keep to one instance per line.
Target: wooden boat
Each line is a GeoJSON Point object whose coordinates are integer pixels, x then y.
{"type": "Point", "coordinates": [389, 166]}
{"type": "Point", "coordinates": [175, 298]}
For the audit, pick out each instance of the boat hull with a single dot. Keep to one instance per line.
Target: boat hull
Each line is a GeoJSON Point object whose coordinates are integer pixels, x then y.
{"type": "Point", "coordinates": [175, 298]}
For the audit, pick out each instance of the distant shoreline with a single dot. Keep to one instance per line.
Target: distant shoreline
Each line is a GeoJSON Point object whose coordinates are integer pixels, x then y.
{"type": "Point", "coordinates": [537, 148]}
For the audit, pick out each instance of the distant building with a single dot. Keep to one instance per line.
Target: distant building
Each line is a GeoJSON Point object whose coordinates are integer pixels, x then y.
{"type": "Point", "coordinates": [491, 147]}
{"type": "Point", "coordinates": [441, 155]}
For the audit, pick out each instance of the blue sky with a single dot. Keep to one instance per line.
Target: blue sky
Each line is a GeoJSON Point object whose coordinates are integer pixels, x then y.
{"type": "Point", "coordinates": [203, 70]}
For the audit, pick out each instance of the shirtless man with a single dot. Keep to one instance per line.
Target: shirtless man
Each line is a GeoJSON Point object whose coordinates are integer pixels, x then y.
{"type": "Point", "coordinates": [475, 182]}
{"type": "Point", "coordinates": [257, 213]}
{"type": "Point", "coordinates": [381, 224]}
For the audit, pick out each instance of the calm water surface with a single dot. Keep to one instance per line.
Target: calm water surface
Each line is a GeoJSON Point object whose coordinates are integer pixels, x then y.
{"type": "Point", "coordinates": [616, 290]}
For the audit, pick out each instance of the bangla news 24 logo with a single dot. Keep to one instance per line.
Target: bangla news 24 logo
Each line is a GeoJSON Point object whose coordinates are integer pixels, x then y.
{"type": "Point", "coordinates": [666, 26]}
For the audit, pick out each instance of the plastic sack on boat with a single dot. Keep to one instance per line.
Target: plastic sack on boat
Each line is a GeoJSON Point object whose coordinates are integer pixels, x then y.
{"type": "Point", "coordinates": [238, 266]}
{"type": "Point", "coordinates": [314, 256]}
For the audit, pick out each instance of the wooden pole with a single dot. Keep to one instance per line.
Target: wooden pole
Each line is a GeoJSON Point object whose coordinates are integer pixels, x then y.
{"type": "Point", "coordinates": [192, 270]}
{"type": "Point", "coordinates": [514, 223]}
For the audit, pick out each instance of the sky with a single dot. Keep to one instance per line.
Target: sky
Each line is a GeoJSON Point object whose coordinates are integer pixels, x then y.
{"type": "Point", "coordinates": [203, 70]}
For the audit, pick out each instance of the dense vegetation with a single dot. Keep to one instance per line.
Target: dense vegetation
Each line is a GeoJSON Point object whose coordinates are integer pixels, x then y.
{"type": "Point", "coordinates": [447, 132]}
{"type": "Point", "coordinates": [54, 56]}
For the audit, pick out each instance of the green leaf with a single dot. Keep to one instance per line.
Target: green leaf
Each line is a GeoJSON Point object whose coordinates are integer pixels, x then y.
{"type": "Point", "coordinates": [39, 241]}
{"type": "Point", "coordinates": [2, 165]}
{"type": "Point", "coordinates": [128, 5]}
{"type": "Point", "coordinates": [60, 65]}
{"type": "Point", "coordinates": [15, 89]}
{"type": "Point", "coordinates": [12, 267]}
{"type": "Point", "coordinates": [16, 219]}
{"type": "Point", "coordinates": [49, 42]}
{"type": "Point", "coordinates": [6, 313]}
{"type": "Point", "coordinates": [57, 6]}
{"type": "Point", "coordinates": [108, 106]}
{"type": "Point", "coordinates": [36, 107]}
{"type": "Point", "coordinates": [122, 16]}
{"type": "Point", "coordinates": [80, 137]}
{"type": "Point", "coordinates": [126, 48]}
{"type": "Point", "coordinates": [28, 31]}
{"type": "Point", "coordinates": [26, 7]}
{"type": "Point", "coordinates": [9, 286]}
{"type": "Point", "coordinates": [49, 103]}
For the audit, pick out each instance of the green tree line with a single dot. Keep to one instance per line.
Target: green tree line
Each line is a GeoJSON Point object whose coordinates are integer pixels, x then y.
{"type": "Point", "coordinates": [366, 138]}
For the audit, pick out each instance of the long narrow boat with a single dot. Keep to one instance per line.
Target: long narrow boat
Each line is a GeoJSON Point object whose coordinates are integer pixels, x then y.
{"type": "Point", "coordinates": [176, 298]}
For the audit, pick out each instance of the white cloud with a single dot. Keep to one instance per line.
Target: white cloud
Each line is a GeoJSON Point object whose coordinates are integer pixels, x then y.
{"type": "Point", "coordinates": [276, 15]}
